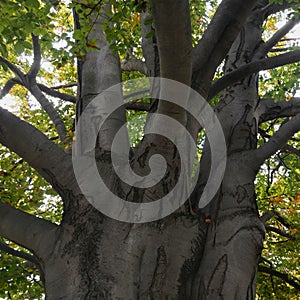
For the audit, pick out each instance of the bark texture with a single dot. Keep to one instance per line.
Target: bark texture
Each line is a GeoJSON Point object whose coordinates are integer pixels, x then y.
{"type": "Point", "coordinates": [211, 254]}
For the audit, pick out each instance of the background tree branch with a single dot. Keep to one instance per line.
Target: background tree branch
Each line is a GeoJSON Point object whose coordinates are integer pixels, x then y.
{"type": "Point", "coordinates": [285, 277]}
{"type": "Point", "coordinates": [133, 64]}
{"type": "Point", "coordinates": [280, 232]}
{"type": "Point", "coordinates": [7, 87]}
{"type": "Point", "coordinates": [29, 81]}
{"type": "Point", "coordinates": [272, 8]}
{"type": "Point", "coordinates": [278, 35]}
{"type": "Point", "coordinates": [21, 254]}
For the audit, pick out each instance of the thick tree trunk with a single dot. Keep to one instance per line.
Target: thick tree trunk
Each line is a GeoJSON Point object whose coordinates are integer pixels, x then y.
{"type": "Point", "coordinates": [234, 239]}
{"type": "Point", "coordinates": [180, 257]}
{"type": "Point", "coordinates": [105, 259]}
{"type": "Point", "coordinates": [212, 255]}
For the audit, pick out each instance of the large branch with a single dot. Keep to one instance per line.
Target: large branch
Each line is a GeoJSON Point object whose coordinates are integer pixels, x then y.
{"type": "Point", "coordinates": [217, 40]}
{"type": "Point", "coordinates": [251, 68]}
{"type": "Point", "coordinates": [100, 71]}
{"type": "Point", "coordinates": [34, 147]}
{"type": "Point", "coordinates": [269, 109]}
{"type": "Point", "coordinates": [285, 277]}
{"type": "Point", "coordinates": [26, 230]}
{"type": "Point", "coordinates": [278, 140]}
{"type": "Point", "coordinates": [172, 19]}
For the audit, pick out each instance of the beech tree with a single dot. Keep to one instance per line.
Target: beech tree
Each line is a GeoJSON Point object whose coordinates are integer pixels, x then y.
{"type": "Point", "coordinates": [226, 52]}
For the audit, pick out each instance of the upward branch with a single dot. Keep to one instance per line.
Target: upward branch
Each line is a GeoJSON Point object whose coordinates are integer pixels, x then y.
{"type": "Point", "coordinates": [217, 40]}
{"type": "Point", "coordinates": [172, 18]}
{"type": "Point", "coordinates": [32, 145]}
{"type": "Point", "coordinates": [175, 54]}
{"type": "Point", "coordinates": [37, 57]}
{"type": "Point", "coordinates": [100, 71]}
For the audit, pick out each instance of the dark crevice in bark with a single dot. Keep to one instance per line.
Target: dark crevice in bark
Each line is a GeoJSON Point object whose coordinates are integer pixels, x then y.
{"type": "Point", "coordinates": [192, 264]}
{"type": "Point", "coordinates": [158, 280]}
{"type": "Point", "coordinates": [218, 276]}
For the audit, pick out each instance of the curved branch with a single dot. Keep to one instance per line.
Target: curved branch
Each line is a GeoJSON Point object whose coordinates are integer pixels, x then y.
{"type": "Point", "coordinates": [278, 140]}
{"type": "Point", "coordinates": [26, 230]}
{"type": "Point", "coordinates": [5, 248]}
{"type": "Point", "coordinates": [285, 277]}
{"type": "Point", "coordinates": [217, 40]}
{"type": "Point", "coordinates": [34, 147]}
{"type": "Point", "coordinates": [253, 67]}
{"type": "Point", "coordinates": [269, 109]}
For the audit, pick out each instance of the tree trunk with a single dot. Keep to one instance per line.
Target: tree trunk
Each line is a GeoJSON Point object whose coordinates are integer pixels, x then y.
{"type": "Point", "coordinates": [211, 255]}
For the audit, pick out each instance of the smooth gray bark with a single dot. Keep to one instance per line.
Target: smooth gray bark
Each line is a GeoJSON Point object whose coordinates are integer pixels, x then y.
{"type": "Point", "coordinates": [211, 254]}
